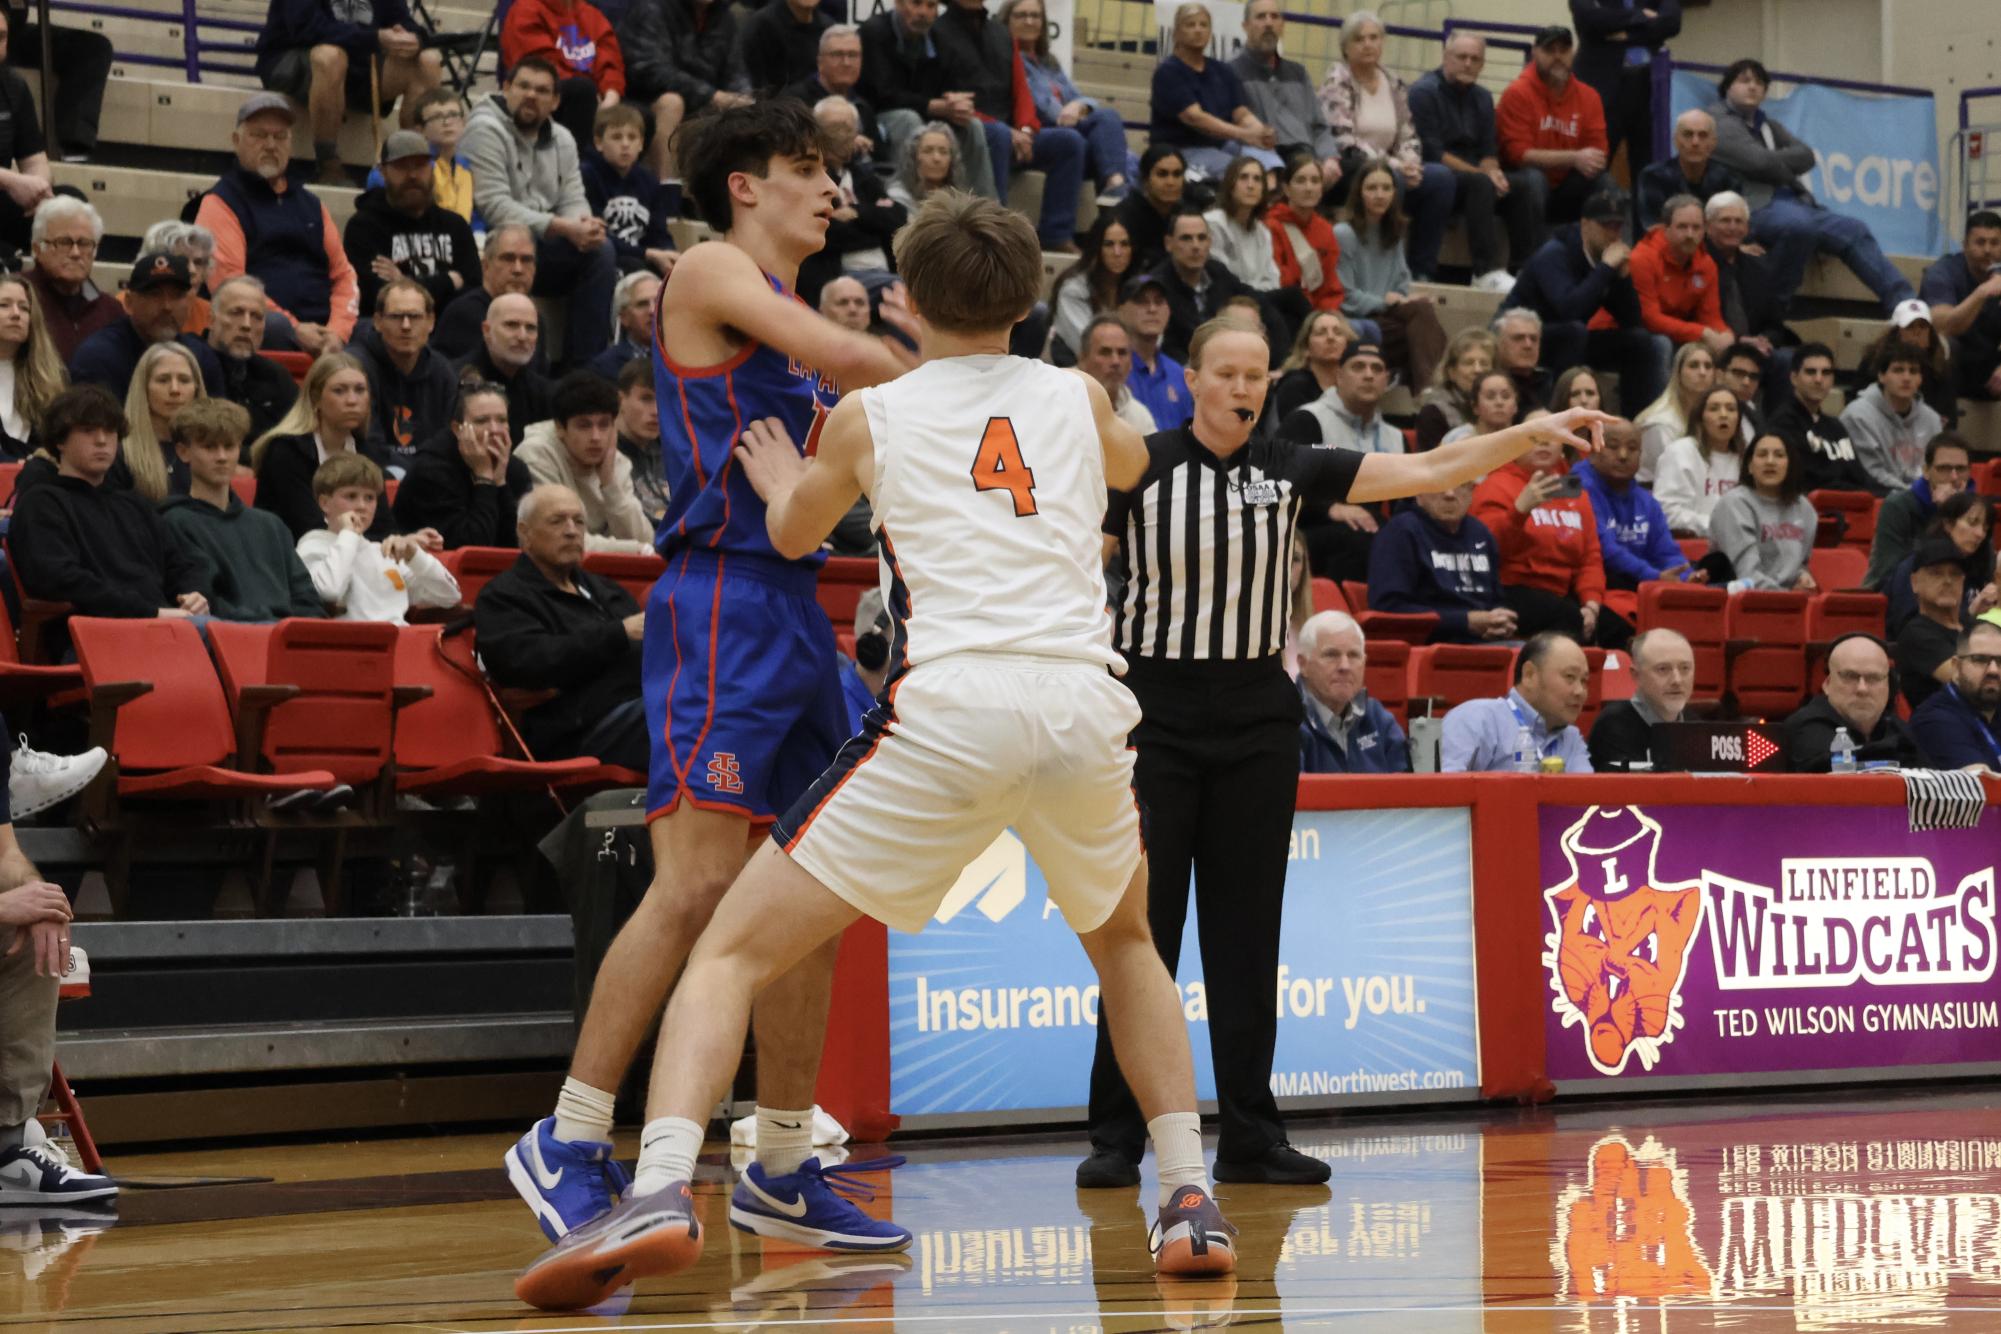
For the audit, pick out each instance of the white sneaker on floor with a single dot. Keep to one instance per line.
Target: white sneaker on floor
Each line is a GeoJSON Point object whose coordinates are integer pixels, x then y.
{"type": "Point", "coordinates": [37, 780]}
{"type": "Point", "coordinates": [1495, 280]}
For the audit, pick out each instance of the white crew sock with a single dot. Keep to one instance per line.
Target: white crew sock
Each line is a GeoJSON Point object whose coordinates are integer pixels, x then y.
{"type": "Point", "coordinates": [784, 1139]}
{"type": "Point", "coordinates": [1177, 1152]}
{"type": "Point", "coordinates": [667, 1150]}
{"type": "Point", "coordinates": [583, 1112]}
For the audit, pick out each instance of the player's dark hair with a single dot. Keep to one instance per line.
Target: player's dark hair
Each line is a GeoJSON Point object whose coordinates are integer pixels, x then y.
{"type": "Point", "coordinates": [714, 147]}
{"type": "Point", "coordinates": [535, 63]}
{"type": "Point", "coordinates": [1743, 351]}
{"type": "Point", "coordinates": [1539, 648]}
{"type": "Point", "coordinates": [1900, 353]}
{"type": "Point", "coordinates": [582, 393]}
{"type": "Point", "coordinates": [970, 265]}
{"type": "Point", "coordinates": [1985, 219]}
{"type": "Point", "coordinates": [1805, 350]}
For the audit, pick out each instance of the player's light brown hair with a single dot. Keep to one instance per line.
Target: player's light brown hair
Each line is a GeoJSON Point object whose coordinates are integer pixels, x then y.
{"type": "Point", "coordinates": [1212, 329]}
{"type": "Point", "coordinates": [208, 420]}
{"type": "Point", "coordinates": [969, 265]}
{"type": "Point", "coordinates": [345, 469]}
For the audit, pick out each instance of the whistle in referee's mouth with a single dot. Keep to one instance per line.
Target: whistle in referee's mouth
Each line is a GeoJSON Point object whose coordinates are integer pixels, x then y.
{"type": "Point", "coordinates": [1244, 414]}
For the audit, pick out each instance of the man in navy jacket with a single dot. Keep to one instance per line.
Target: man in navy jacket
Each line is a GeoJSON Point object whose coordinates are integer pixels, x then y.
{"type": "Point", "coordinates": [1616, 42]}
{"type": "Point", "coordinates": [1342, 730]}
{"type": "Point", "coordinates": [1435, 558]}
{"type": "Point", "coordinates": [1580, 274]}
{"type": "Point", "coordinates": [1959, 727]}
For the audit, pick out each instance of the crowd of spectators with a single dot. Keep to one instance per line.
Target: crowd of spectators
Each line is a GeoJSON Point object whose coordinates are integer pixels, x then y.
{"type": "Point", "coordinates": [476, 338]}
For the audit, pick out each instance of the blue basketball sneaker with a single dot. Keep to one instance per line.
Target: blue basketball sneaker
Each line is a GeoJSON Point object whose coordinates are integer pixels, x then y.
{"type": "Point", "coordinates": [806, 1207]}
{"type": "Point", "coordinates": [567, 1183]}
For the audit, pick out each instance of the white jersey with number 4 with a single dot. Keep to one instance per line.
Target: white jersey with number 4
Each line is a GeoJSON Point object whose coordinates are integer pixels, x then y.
{"type": "Point", "coordinates": [989, 494]}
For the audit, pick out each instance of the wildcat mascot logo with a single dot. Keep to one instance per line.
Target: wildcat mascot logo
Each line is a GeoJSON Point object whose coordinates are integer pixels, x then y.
{"type": "Point", "coordinates": [1619, 950]}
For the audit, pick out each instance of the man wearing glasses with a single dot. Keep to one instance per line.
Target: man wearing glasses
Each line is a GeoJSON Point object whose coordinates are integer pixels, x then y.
{"type": "Point", "coordinates": [442, 118]}
{"type": "Point", "coordinates": [412, 388]}
{"type": "Point", "coordinates": [64, 239]}
{"type": "Point", "coordinates": [1856, 697]}
{"type": "Point", "coordinates": [1960, 726]}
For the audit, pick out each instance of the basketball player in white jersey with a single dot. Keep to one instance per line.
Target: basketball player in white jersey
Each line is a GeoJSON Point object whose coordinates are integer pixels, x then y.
{"type": "Point", "coordinates": [987, 476]}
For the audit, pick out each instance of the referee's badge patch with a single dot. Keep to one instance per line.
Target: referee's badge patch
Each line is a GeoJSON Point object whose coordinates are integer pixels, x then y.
{"type": "Point", "coordinates": [1261, 493]}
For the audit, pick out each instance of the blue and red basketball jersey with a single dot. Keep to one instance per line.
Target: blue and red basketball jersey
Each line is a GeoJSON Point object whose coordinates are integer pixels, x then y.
{"type": "Point", "coordinates": [703, 413]}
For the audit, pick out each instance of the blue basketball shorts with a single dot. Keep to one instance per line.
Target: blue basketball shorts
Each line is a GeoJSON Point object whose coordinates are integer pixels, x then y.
{"type": "Point", "coordinates": [743, 690]}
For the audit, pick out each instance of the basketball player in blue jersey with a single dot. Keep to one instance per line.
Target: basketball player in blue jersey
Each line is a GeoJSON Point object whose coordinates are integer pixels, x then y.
{"type": "Point", "coordinates": [743, 698]}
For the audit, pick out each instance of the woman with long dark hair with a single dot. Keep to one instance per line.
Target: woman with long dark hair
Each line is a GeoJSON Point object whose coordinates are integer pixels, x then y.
{"type": "Point", "coordinates": [1090, 286]}
{"type": "Point", "coordinates": [1376, 281]}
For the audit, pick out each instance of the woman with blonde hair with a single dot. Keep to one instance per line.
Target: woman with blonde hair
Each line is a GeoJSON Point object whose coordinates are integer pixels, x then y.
{"type": "Point", "coordinates": [167, 379]}
{"type": "Point", "coordinates": [1666, 419]}
{"type": "Point", "coordinates": [31, 374]}
{"type": "Point", "coordinates": [1448, 403]}
{"type": "Point", "coordinates": [1308, 370]}
{"type": "Point", "coordinates": [330, 417]}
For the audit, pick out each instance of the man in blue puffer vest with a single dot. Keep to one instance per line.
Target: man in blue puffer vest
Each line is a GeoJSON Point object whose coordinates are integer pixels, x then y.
{"type": "Point", "coordinates": [1342, 731]}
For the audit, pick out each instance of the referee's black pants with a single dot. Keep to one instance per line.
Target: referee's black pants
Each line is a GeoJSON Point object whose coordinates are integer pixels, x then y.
{"type": "Point", "coordinates": [1218, 777]}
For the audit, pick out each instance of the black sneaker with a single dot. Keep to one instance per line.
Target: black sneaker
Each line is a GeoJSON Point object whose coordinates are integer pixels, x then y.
{"type": "Point", "coordinates": [1107, 1169]}
{"type": "Point", "coordinates": [1280, 1165]}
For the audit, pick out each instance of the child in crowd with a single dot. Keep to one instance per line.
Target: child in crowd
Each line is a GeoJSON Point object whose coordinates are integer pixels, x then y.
{"type": "Point", "coordinates": [246, 553]}
{"type": "Point", "coordinates": [628, 196]}
{"type": "Point", "coordinates": [368, 581]}
{"type": "Point", "coordinates": [442, 118]}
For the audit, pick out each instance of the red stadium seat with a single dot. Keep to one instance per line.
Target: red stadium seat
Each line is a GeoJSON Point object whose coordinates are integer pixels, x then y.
{"type": "Point", "coordinates": [1411, 627]}
{"type": "Point", "coordinates": [1327, 596]}
{"type": "Point", "coordinates": [23, 684]}
{"type": "Point", "coordinates": [843, 580]}
{"type": "Point", "coordinates": [245, 486]}
{"type": "Point", "coordinates": [1450, 674]}
{"type": "Point", "coordinates": [474, 567]}
{"type": "Point", "coordinates": [635, 574]}
{"type": "Point", "coordinates": [1387, 677]}
{"type": "Point", "coordinates": [1698, 613]}
{"type": "Point", "coordinates": [1831, 615]}
{"type": "Point", "coordinates": [1987, 477]}
{"type": "Point", "coordinates": [1766, 652]}
{"type": "Point", "coordinates": [1594, 700]}
{"type": "Point", "coordinates": [1762, 616]}
{"type": "Point", "coordinates": [1837, 569]}
{"type": "Point", "coordinates": [450, 743]}
{"type": "Point", "coordinates": [296, 364]}
{"type": "Point", "coordinates": [1357, 594]}
{"type": "Point", "coordinates": [1693, 548]}
{"type": "Point", "coordinates": [1857, 507]}
{"type": "Point", "coordinates": [10, 473]}
{"type": "Point", "coordinates": [330, 688]}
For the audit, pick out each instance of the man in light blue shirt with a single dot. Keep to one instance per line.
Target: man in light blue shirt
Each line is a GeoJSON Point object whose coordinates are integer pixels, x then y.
{"type": "Point", "coordinates": [1552, 683]}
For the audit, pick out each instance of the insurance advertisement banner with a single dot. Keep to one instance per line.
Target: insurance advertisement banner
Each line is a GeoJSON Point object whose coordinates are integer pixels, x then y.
{"type": "Point", "coordinates": [1693, 940]}
{"type": "Point", "coordinates": [994, 1007]}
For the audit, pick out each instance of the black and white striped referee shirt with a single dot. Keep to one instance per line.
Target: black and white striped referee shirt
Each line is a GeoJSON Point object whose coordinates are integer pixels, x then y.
{"type": "Point", "coordinates": [1206, 540]}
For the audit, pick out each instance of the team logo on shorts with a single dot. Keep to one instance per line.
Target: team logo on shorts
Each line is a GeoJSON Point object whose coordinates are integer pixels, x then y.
{"type": "Point", "coordinates": [724, 776]}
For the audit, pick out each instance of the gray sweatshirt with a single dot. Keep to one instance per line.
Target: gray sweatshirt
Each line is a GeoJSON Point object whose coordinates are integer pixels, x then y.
{"type": "Point", "coordinates": [1889, 446]}
{"type": "Point", "coordinates": [1767, 542]}
{"type": "Point", "coordinates": [1766, 157]}
{"type": "Point", "coordinates": [518, 180]}
{"type": "Point", "coordinates": [1367, 271]}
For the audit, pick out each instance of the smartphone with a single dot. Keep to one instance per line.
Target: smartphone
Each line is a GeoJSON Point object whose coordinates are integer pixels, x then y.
{"type": "Point", "coordinates": [1570, 487]}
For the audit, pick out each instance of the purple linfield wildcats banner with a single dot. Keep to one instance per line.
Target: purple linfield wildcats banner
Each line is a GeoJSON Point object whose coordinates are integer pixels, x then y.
{"type": "Point", "coordinates": [1717, 940]}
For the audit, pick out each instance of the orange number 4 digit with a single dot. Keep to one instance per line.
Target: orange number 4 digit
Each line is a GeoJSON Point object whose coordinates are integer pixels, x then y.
{"type": "Point", "coordinates": [999, 467]}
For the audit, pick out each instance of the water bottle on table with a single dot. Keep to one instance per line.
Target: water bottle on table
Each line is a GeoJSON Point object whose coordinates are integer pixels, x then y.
{"type": "Point", "coordinates": [1841, 753]}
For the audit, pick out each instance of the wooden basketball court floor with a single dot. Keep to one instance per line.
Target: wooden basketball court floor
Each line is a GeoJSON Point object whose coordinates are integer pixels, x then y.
{"type": "Point", "coordinates": [1818, 1212]}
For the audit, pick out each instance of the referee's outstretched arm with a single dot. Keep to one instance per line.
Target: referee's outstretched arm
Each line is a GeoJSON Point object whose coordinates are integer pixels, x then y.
{"type": "Point", "coordinates": [1394, 476]}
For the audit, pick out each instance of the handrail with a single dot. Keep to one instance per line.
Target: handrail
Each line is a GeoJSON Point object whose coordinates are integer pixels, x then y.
{"type": "Point", "coordinates": [193, 61]}
{"type": "Point", "coordinates": [1966, 95]}
{"type": "Point", "coordinates": [1848, 85]}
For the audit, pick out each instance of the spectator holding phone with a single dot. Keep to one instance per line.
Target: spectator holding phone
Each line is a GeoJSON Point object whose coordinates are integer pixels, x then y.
{"type": "Point", "coordinates": [1552, 569]}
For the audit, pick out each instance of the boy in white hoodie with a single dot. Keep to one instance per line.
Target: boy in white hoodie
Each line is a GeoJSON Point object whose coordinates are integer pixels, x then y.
{"type": "Point", "coordinates": [369, 581]}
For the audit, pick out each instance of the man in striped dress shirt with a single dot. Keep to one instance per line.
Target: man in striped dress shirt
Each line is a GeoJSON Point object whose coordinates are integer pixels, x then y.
{"type": "Point", "coordinates": [1204, 538]}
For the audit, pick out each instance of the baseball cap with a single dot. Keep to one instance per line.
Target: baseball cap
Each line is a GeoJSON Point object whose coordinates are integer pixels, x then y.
{"type": "Point", "coordinates": [1608, 204]}
{"type": "Point", "coordinates": [259, 103]}
{"type": "Point", "coordinates": [1553, 35]}
{"type": "Point", "coordinates": [405, 143]}
{"type": "Point", "coordinates": [160, 269]}
{"type": "Point", "coordinates": [1131, 288]}
{"type": "Point", "coordinates": [1362, 348]}
{"type": "Point", "coordinates": [1936, 551]}
{"type": "Point", "coordinates": [1910, 312]}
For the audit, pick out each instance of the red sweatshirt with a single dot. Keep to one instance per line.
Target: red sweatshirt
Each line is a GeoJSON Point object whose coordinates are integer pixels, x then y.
{"type": "Point", "coordinates": [1530, 116]}
{"type": "Point", "coordinates": [1553, 547]}
{"type": "Point", "coordinates": [1678, 297]}
{"type": "Point", "coordinates": [1319, 234]}
{"type": "Point", "coordinates": [571, 35]}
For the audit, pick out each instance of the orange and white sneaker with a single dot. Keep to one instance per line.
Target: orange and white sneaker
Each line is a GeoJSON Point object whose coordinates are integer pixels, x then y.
{"type": "Point", "coordinates": [1192, 1236]}
{"type": "Point", "coordinates": [643, 1235]}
